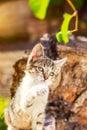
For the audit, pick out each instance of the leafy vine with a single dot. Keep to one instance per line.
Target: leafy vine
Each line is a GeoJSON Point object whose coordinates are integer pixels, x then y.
{"type": "Point", "coordinates": [39, 8]}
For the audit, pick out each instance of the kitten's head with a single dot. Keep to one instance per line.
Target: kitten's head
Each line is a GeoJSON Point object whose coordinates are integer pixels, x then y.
{"type": "Point", "coordinates": [44, 69]}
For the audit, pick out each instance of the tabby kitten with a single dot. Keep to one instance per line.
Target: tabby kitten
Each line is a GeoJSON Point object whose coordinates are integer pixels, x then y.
{"type": "Point", "coordinates": [27, 108]}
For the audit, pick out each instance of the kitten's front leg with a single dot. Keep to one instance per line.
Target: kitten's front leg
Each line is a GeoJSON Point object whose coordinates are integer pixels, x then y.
{"type": "Point", "coordinates": [38, 123]}
{"type": "Point", "coordinates": [29, 96]}
{"type": "Point", "coordinates": [8, 119]}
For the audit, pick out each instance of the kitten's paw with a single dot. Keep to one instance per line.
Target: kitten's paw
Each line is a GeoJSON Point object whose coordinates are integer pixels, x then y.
{"type": "Point", "coordinates": [42, 91]}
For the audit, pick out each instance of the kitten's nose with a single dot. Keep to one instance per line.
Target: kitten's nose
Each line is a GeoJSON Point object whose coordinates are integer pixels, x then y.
{"type": "Point", "coordinates": [46, 76]}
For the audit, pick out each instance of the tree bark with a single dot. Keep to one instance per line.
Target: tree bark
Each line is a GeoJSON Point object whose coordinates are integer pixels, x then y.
{"type": "Point", "coordinates": [73, 86]}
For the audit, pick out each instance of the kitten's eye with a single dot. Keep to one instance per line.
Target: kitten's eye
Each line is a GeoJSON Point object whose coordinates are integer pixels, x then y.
{"type": "Point", "coordinates": [40, 68]}
{"type": "Point", "coordinates": [51, 74]}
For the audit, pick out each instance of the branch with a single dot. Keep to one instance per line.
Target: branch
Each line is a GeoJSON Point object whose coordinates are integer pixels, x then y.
{"type": "Point", "coordinates": [75, 14]}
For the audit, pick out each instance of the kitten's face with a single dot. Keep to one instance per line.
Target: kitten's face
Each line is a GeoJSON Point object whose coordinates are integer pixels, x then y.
{"type": "Point", "coordinates": [43, 69]}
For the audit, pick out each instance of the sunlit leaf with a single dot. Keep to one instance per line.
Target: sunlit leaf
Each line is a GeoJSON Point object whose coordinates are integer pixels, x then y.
{"type": "Point", "coordinates": [39, 7]}
{"type": "Point", "coordinates": [3, 103]}
{"type": "Point", "coordinates": [59, 37]}
{"type": "Point", "coordinates": [65, 27]}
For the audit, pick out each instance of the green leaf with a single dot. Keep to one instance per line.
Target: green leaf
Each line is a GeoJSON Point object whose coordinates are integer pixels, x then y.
{"type": "Point", "coordinates": [3, 103]}
{"type": "Point", "coordinates": [39, 7]}
{"type": "Point", "coordinates": [59, 37]}
{"type": "Point", "coordinates": [78, 4]}
{"type": "Point", "coordinates": [64, 27]}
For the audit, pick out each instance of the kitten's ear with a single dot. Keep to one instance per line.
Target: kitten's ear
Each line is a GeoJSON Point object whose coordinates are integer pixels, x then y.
{"type": "Point", "coordinates": [61, 62]}
{"type": "Point", "coordinates": [37, 52]}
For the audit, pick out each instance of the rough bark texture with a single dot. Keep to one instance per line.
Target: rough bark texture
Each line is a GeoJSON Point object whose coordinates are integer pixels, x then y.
{"type": "Point", "coordinates": [71, 95]}
{"type": "Point", "coordinates": [73, 88]}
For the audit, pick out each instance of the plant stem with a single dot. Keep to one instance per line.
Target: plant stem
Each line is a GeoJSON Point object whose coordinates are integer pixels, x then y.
{"type": "Point", "coordinates": [75, 14]}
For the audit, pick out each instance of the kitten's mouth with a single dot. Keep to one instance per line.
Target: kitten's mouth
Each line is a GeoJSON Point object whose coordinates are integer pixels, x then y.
{"type": "Point", "coordinates": [42, 80]}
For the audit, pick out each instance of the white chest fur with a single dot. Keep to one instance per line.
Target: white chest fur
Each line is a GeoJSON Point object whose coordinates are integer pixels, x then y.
{"type": "Point", "coordinates": [32, 93]}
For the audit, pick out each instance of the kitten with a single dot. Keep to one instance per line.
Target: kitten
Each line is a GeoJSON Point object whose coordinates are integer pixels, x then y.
{"type": "Point", "coordinates": [27, 108]}
{"type": "Point", "coordinates": [50, 46]}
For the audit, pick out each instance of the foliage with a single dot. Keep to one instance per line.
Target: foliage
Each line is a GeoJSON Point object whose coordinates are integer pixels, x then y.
{"type": "Point", "coordinates": [40, 8]}
{"type": "Point", "coordinates": [3, 103]}
{"type": "Point", "coordinates": [56, 2]}
{"type": "Point", "coordinates": [63, 35]}
{"type": "Point", "coordinates": [78, 3]}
